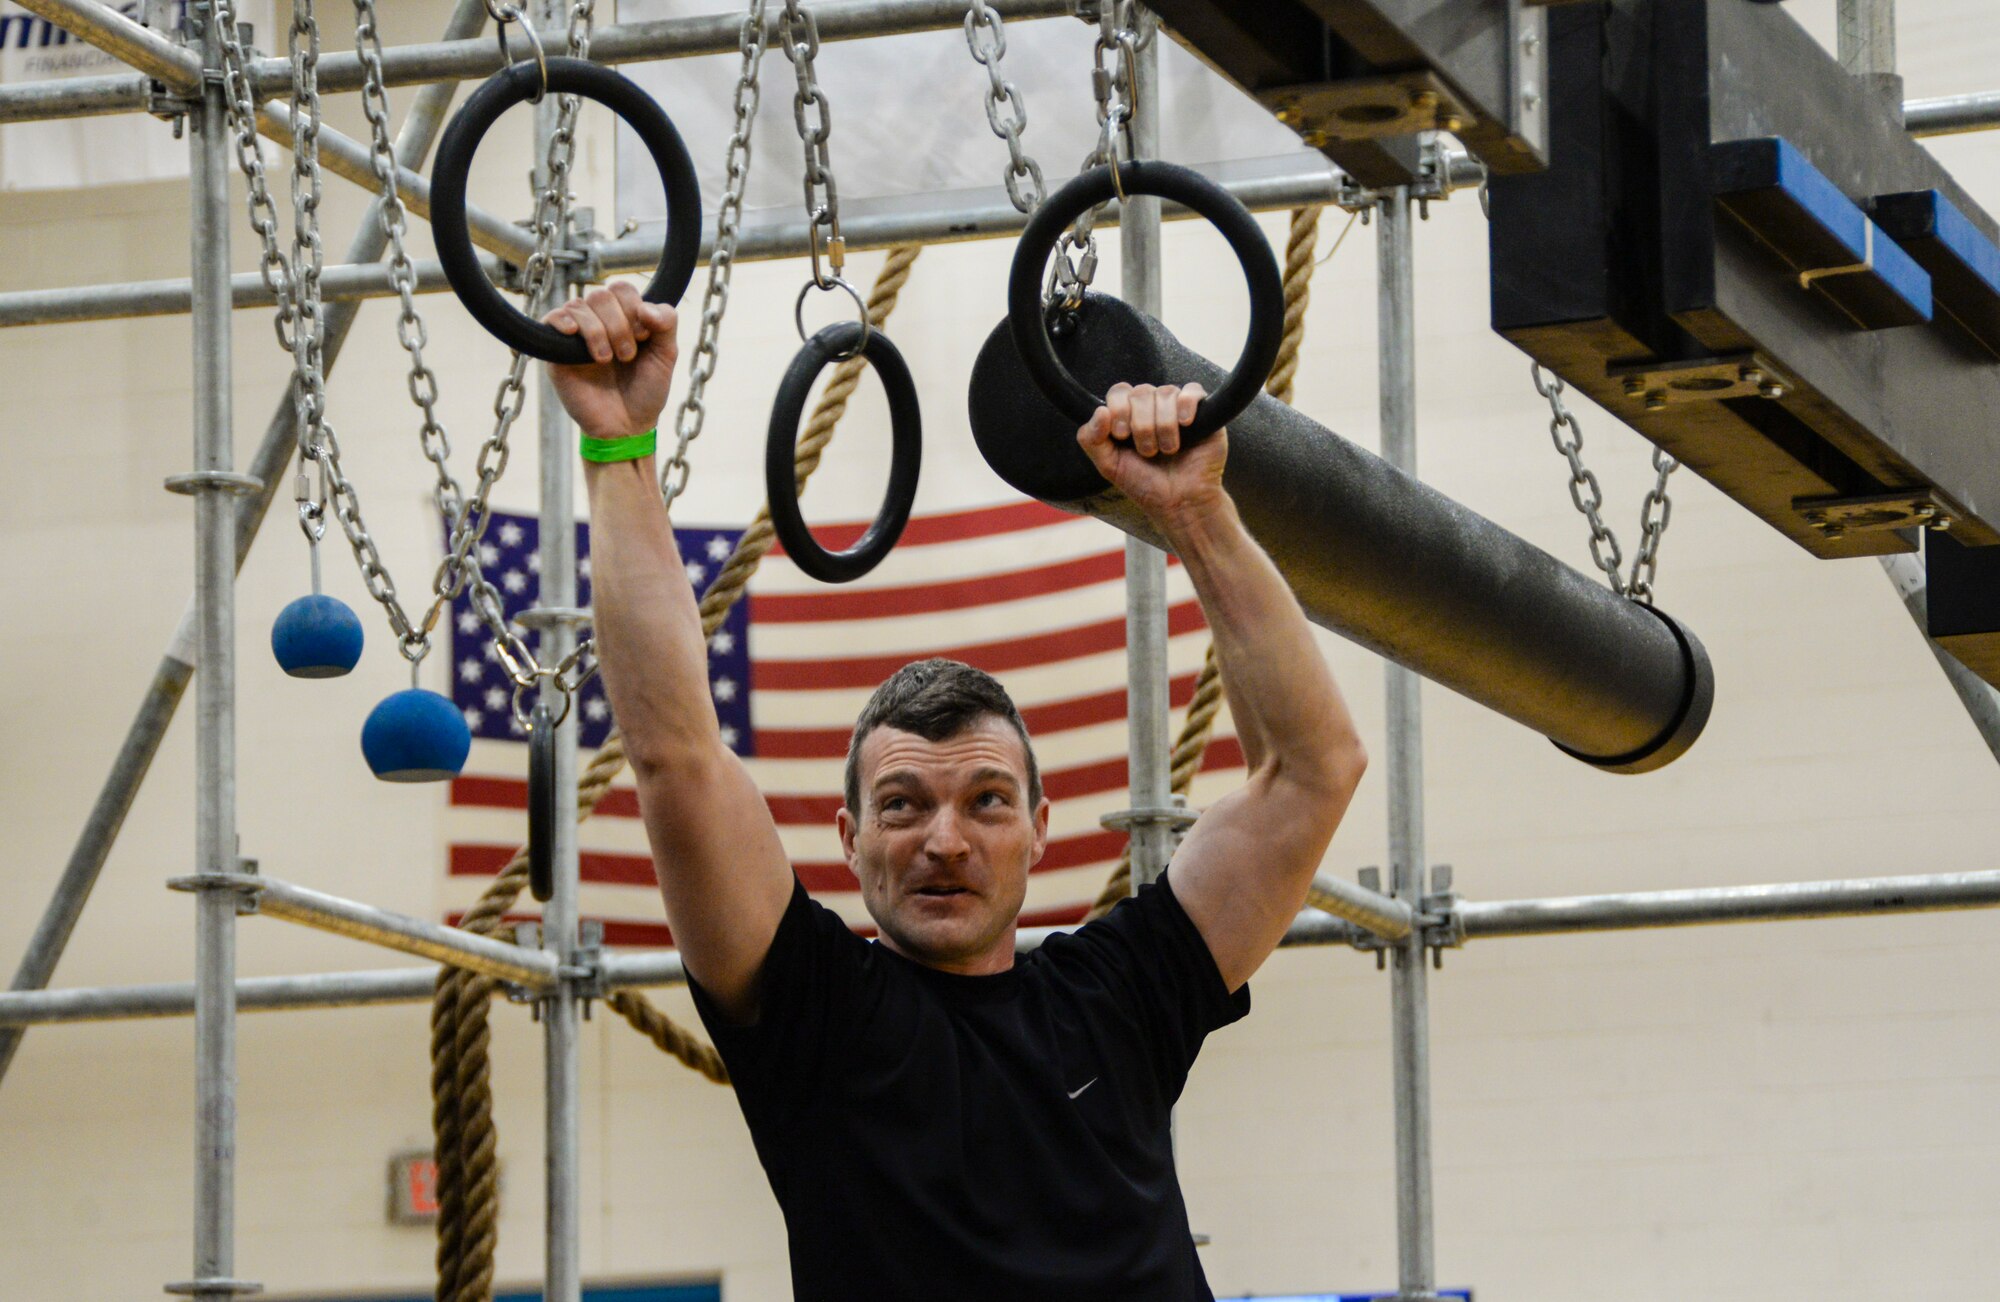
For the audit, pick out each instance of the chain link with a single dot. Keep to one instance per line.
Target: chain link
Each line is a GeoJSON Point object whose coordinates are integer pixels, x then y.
{"type": "Point", "coordinates": [1123, 28]}
{"type": "Point", "coordinates": [693, 410]}
{"type": "Point", "coordinates": [1006, 112]}
{"type": "Point", "coordinates": [1589, 498]}
{"type": "Point", "coordinates": [822, 194]}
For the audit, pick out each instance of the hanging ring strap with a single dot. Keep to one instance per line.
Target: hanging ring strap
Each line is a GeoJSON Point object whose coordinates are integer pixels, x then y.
{"type": "Point", "coordinates": [511, 13]}
{"type": "Point", "coordinates": [906, 455]}
{"type": "Point", "coordinates": [519, 84]}
{"type": "Point", "coordinates": [1030, 327]}
{"type": "Point", "coordinates": [860, 307]}
{"type": "Point", "coordinates": [542, 802]}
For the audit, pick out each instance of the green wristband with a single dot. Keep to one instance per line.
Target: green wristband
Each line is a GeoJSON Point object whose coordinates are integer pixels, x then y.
{"type": "Point", "coordinates": [625, 449]}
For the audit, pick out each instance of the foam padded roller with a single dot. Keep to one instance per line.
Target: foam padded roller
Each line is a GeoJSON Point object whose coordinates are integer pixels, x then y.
{"type": "Point", "coordinates": [1375, 555]}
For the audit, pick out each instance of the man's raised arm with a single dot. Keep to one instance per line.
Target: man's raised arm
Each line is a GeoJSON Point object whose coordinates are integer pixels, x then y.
{"type": "Point", "coordinates": [722, 870]}
{"type": "Point", "coordinates": [1243, 871]}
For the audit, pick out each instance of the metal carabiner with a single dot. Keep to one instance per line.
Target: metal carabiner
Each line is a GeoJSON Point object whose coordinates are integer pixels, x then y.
{"type": "Point", "coordinates": [513, 13]}
{"type": "Point", "coordinates": [861, 306]}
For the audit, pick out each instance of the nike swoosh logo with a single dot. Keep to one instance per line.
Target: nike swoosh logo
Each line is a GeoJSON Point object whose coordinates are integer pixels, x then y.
{"type": "Point", "coordinates": [1081, 1088]}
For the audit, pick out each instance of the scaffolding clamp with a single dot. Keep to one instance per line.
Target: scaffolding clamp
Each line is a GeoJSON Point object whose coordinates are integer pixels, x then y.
{"type": "Point", "coordinates": [244, 881]}
{"type": "Point", "coordinates": [1441, 923]}
{"type": "Point", "coordinates": [212, 1287]}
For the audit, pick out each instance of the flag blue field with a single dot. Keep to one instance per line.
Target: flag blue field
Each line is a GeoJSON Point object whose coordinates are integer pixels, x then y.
{"type": "Point", "coordinates": [1031, 594]}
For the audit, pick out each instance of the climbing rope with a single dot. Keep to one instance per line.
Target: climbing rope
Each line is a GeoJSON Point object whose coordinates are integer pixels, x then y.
{"type": "Point", "coordinates": [461, 1069]}
{"type": "Point", "coordinates": [1196, 729]}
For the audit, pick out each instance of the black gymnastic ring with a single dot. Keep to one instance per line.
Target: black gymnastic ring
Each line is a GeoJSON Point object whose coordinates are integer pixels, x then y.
{"type": "Point", "coordinates": [517, 85]}
{"type": "Point", "coordinates": [1260, 267]}
{"type": "Point", "coordinates": [542, 802]}
{"type": "Point", "coordinates": [905, 457]}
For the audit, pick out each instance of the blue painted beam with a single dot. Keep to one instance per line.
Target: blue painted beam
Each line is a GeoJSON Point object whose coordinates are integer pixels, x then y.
{"type": "Point", "coordinates": [1830, 245]}
{"type": "Point", "coordinates": [1964, 265]}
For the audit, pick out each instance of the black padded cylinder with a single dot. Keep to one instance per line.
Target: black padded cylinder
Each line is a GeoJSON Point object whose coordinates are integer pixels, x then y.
{"type": "Point", "coordinates": [1376, 555]}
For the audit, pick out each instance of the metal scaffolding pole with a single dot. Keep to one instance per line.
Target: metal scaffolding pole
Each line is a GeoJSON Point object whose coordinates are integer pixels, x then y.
{"type": "Point", "coordinates": [170, 680]}
{"type": "Point", "coordinates": [560, 1007]}
{"type": "Point", "coordinates": [1148, 737]}
{"type": "Point", "coordinates": [454, 59]}
{"type": "Point", "coordinates": [1409, 1008]}
{"type": "Point", "coordinates": [212, 483]}
{"type": "Point", "coordinates": [398, 931]}
{"type": "Point", "coordinates": [1981, 702]}
{"type": "Point", "coordinates": [1871, 897]}
{"type": "Point", "coordinates": [1261, 185]}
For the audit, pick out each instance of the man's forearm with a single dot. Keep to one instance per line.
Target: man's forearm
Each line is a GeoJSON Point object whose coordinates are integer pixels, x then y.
{"type": "Point", "coordinates": [648, 628]}
{"type": "Point", "coordinates": [1287, 710]}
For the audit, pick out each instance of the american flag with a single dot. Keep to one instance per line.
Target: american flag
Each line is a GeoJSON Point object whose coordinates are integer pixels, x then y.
{"type": "Point", "coordinates": [1030, 594]}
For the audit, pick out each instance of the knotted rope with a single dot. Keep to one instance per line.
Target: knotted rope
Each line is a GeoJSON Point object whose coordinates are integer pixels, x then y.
{"type": "Point", "coordinates": [1192, 743]}
{"type": "Point", "coordinates": [461, 1080]}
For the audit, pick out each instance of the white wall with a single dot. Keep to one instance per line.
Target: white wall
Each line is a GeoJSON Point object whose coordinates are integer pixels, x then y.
{"type": "Point", "coordinates": [1774, 1112]}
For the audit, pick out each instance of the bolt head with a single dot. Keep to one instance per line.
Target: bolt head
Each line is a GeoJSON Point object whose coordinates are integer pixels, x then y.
{"type": "Point", "coordinates": [1941, 523]}
{"type": "Point", "coordinates": [1771, 389]}
{"type": "Point", "coordinates": [1656, 401]}
{"type": "Point", "coordinates": [1635, 385]}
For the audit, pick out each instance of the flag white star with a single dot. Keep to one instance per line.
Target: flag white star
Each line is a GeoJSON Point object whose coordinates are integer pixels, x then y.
{"type": "Point", "coordinates": [470, 670]}
{"type": "Point", "coordinates": [492, 651]}
{"type": "Point", "coordinates": [488, 554]}
{"type": "Point", "coordinates": [510, 534]}
{"type": "Point", "coordinates": [514, 581]}
{"type": "Point", "coordinates": [725, 689]}
{"type": "Point", "coordinates": [473, 719]}
{"type": "Point", "coordinates": [696, 572]}
{"type": "Point", "coordinates": [729, 736]}
{"type": "Point", "coordinates": [516, 727]}
{"type": "Point", "coordinates": [583, 567]}
{"type": "Point", "coordinates": [723, 642]}
{"type": "Point", "coordinates": [595, 708]}
{"type": "Point", "coordinates": [534, 562]}
{"type": "Point", "coordinates": [496, 698]}
{"type": "Point", "coordinates": [718, 549]}
{"type": "Point", "coordinates": [468, 623]}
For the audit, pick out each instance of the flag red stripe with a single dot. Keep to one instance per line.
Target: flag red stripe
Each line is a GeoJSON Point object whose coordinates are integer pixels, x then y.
{"type": "Point", "coordinates": [818, 809]}
{"type": "Point", "coordinates": [602, 868]}
{"type": "Point", "coordinates": [1051, 716]}
{"type": "Point", "coordinates": [929, 598]}
{"type": "Point", "coordinates": [952, 526]}
{"type": "Point", "coordinates": [625, 932]}
{"type": "Point", "coordinates": [994, 657]}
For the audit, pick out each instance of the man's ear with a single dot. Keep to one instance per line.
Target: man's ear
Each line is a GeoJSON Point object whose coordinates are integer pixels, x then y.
{"type": "Point", "coordinates": [847, 826]}
{"type": "Point", "coordinates": [1041, 831]}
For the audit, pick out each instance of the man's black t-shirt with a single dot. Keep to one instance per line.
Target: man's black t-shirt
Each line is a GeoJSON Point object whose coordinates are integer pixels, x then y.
{"type": "Point", "coordinates": [933, 1136]}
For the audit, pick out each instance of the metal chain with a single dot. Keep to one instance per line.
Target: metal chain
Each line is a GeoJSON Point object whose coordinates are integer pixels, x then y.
{"type": "Point", "coordinates": [1122, 29]}
{"type": "Point", "coordinates": [822, 195]}
{"type": "Point", "coordinates": [1589, 498]}
{"type": "Point", "coordinates": [722, 259]}
{"type": "Point", "coordinates": [459, 571]}
{"type": "Point", "coordinates": [1006, 112]}
{"type": "Point", "coordinates": [276, 271]}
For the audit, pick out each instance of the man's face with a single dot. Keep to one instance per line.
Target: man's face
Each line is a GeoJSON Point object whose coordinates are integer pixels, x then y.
{"type": "Point", "coordinates": [944, 842]}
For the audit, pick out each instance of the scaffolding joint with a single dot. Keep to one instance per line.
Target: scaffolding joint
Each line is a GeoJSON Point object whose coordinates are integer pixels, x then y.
{"type": "Point", "coordinates": [244, 881]}
{"type": "Point", "coordinates": [214, 1287]}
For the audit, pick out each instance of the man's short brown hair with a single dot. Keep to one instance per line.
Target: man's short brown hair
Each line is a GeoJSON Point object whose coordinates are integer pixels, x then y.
{"type": "Point", "coordinates": [936, 699]}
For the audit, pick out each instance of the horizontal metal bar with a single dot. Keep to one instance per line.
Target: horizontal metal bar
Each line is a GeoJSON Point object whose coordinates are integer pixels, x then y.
{"type": "Point", "coordinates": [1948, 115]}
{"type": "Point", "coordinates": [1262, 185]}
{"type": "Point", "coordinates": [1778, 902]}
{"type": "Point", "coordinates": [253, 994]}
{"type": "Point", "coordinates": [1384, 915]}
{"type": "Point", "coordinates": [277, 899]}
{"type": "Point", "coordinates": [119, 36]}
{"type": "Point", "coordinates": [405, 65]}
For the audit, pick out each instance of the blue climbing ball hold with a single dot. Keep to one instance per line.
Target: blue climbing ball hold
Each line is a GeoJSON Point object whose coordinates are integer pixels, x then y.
{"type": "Point", "coordinates": [415, 736]}
{"type": "Point", "coordinates": [316, 637]}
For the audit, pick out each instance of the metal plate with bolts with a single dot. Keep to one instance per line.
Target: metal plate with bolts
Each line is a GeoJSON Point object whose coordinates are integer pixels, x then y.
{"type": "Point", "coordinates": [1367, 108]}
{"type": "Point", "coordinates": [1905, 509]}
{"type": "Point", "coordinates": [1710, 379]}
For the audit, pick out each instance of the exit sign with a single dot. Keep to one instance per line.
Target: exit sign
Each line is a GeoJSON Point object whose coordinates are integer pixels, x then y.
{"type": "Point", "coordinates": [413, 1189]}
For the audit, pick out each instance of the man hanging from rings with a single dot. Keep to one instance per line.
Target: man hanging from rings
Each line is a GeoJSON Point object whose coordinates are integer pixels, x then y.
{"type": "Point", "coordinates": [938, 1116]}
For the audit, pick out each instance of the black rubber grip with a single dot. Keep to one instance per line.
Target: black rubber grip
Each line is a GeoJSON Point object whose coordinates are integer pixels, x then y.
{"type": "Point", "coordinates": [906, 453]}
{"type": "Point", "coordinates": [1184, 186]}
{"type": "Point", "coordinates": [518, 84]}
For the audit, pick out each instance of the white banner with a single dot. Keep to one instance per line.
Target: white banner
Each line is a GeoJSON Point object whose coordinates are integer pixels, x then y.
{"type": "Point", "coordinates": [72, 152]}
{"type": "Point", "coordinates": [908, 113]}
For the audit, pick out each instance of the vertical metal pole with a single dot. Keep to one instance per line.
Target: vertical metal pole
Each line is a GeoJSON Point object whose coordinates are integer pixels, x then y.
{"type": "Point", "coordinates": [1409, 1010]}
{"type": "Point", "coordinates": [1148, 739]}
{"type": "Point", "coordinates": [1867, 46]}
{"type": "Point", "coordinates": [170, 680]}
{"type": "Point", "coordinates": [562, 1060]}
{"type": "Point", "coordinates": [215, 692]}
